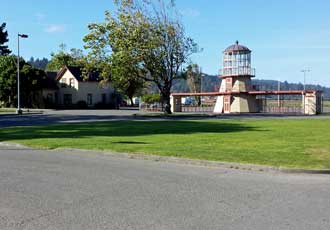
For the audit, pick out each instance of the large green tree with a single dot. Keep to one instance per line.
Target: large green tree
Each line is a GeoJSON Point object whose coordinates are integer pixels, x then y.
{"type": "Point", "coordinates": [3, 39]}
{"type": "Point", "coordinates": [194, 80]}
{"type": "Point", "coordinates": [74, 57]}
{"type": "Point", "coordinates": [125, 78]}
{"type": "Point", "coordinates": [145, 41]}
{"type": "Point", "coordinates": [115, 60]}
{"type": "Point", "coordinates": [31, 80]}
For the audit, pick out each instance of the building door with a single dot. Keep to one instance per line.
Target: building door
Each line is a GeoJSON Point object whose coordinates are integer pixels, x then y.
{"type": "Point", "coordinates": [229, 84]}
{"type": "Point", "coordinates": [226, 104]}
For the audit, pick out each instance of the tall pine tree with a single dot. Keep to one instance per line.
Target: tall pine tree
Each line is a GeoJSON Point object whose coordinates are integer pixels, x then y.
{"type": "Point", "coordinates": [3, 39]}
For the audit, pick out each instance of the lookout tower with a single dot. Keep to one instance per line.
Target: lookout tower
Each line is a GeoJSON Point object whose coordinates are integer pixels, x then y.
{"type": "Point", "coordinates": [236, 94]}
{"type": "Point", "coordinates": [236, 77]}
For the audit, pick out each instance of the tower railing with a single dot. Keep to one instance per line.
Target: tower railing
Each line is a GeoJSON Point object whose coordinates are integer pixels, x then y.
{"type": "Point", "coordinates": [237, 71]}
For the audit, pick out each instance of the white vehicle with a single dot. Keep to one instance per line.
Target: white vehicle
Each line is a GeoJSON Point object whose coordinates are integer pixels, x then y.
{"type": "Point", "coordinates": [136, 101]}
{"type": "Point", "coordinates": [187, 100]}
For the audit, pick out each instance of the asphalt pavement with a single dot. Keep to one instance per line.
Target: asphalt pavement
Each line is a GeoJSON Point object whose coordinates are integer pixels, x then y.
{"type": "Point", "coordinates": [66, 189]}
{"type": "Point", "coordinates": [47, 117]}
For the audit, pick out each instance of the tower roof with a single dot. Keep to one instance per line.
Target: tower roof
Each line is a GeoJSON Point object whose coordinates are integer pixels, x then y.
{"type": "Point", "coordinates": [237, 48]}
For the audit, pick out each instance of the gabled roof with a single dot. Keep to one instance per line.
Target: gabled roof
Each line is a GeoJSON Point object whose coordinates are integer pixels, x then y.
{"type": "Point", "coordinates": [49, 82]}
{"type": "Point", "coordinates": [76, 71]}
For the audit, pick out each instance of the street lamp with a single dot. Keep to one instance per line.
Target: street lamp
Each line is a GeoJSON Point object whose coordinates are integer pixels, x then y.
{"type": "Point", "coordinates": [278, 93]}
{"type": "Point", "coordinates": [304, 94]}
{"type": "Point", "coordinates": [19, 111]}
{"type": "Point", "coordinates": [305, 71]}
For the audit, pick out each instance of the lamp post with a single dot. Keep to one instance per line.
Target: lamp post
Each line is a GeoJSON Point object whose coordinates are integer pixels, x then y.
{"type": "Point", "coordinates": [199, 98]}
{"type": "Point", "coordinates": [304, 94]}
{"type": "Point", "coordinates": [19, 111]}
{"type": "Point", "coordinates": [278, 94]}
{"type": "Point", "coordinates": [305, 71]}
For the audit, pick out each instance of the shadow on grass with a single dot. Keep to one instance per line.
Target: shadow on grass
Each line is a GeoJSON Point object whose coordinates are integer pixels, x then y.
{"type": "Point", "coordinates": [130, 142]}
{"type": "Point", "coordinates": [120, 129]}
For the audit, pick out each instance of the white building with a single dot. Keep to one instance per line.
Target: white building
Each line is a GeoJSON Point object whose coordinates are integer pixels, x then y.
{"type": "Point", "coordinates": [69, 89]}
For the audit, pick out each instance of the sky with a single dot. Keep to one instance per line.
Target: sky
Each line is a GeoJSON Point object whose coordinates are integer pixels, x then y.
{"type": "Point", "coordinates": [285, 36]}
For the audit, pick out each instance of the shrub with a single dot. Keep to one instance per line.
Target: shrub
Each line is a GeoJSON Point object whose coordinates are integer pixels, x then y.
{"type": "Point", "coordinates": [151, 98]}
{"type": "Point", "coordinates": [81, 105]}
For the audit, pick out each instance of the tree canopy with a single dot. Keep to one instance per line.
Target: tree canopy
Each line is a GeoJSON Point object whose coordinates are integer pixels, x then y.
{"type": "Point", "coordinates": [74, 57]}
{"type": "Point", "coordinates": [31, 79]}
{"type": "Point", "coordinates": [141, 41]}
{"type": "Point", "coordinates": [194, 80]}
{"type": "Point", "coordinates": [39, 63]}
{"type": "Point", "coordinates": [3, 39]}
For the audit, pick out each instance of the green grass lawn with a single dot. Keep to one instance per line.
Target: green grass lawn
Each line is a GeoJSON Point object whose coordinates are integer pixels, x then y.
{"type": "Point", "coordinates": [5, 110]}
{"type": "Point", "coordinates": [300, 143]}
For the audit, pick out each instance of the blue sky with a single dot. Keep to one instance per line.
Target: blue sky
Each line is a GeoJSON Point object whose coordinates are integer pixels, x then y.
{"type": "Point", "coordinates": [285, 36]}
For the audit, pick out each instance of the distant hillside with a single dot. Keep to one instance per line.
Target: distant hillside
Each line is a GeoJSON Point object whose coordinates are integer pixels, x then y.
{"type": "Point", "coordinates": [212, 83]}
{"type": "Point", "coordinates": [39, 63]}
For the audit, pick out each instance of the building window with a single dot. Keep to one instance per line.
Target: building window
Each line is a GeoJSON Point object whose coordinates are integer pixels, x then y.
{"type": "Point", "coordinates": [67, 99]}
{"type": "Point", "coordinates": [89, 99]}
{"type": "Point", "coordinates": [104, 98]}
{"type": "Point", "coordinates": [71, 83]}
{"type": "Point", "coordinates": [63, 83]}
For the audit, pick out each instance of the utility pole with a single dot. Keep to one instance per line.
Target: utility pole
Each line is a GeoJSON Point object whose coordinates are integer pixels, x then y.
{"type": "Point", "coordinates": [278, 94]}
{"type": "Point", "coordinates": [305, 71]}
{"type": "Point", "coordinates": [304, 93]}
{"type": "Point", "coordinates": [19, 110]}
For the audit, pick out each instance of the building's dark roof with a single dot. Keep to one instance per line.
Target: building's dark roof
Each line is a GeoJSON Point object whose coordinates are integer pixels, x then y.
{"type": "Point", "coordinates": [77, 73]}
{"type": "Point", "coordinates": [237, 48]}
{"type": "Point", "coordinates": [49, 82]}
{"type": "Point", "coordinates": [51, 74]}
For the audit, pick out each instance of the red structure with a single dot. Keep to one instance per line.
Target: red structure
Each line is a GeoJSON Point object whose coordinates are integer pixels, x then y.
{"type": "Point", "coordinates": [236, 94]}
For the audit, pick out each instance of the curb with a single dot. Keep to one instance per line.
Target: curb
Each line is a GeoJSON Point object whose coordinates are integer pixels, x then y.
{"type": "Point", "coordinates": [305, 171]}
{"type": "Point", "coordinates": [18, 115]}
{"type": "Point", "coordinates": [194, 162]}
{"type": "Point", "coordinates": [223, 165]}
{"type": "Point", "coordinates": [6, 114]}
{"type": "Point", "coordinates": [206, 163]}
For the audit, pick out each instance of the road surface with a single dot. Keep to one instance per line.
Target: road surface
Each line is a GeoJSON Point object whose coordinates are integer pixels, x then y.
{"type": "Point", "coordinates": [47, 117]}
{"type": "Point", "coordinates": [80, 190]}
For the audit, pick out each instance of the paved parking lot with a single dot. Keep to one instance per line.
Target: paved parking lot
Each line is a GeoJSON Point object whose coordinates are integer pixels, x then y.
{"type": "Point", "coordinates": [87, 190]}
{"type": "Point", "coordinates": [44, 117]}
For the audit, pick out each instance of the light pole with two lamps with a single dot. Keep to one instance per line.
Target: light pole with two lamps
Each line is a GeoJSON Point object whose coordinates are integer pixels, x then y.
{"type": "Point", "coordinates": [19, 110]}
{"type": "Point", "coordinates": [278, 95]}
{"type": "Point", "coordinates": [305, 71]}
{"type": "Point", "coordinates": [304, 94]}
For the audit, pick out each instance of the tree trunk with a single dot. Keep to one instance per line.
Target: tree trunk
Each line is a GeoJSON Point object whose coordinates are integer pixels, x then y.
{"type": "Point", "coordinates": [166, 94]}
{"type": "Point", "coordinates": [131, 99]}
{"type": "Point", "coordinates": [199, 101]}
{"type": "Point", "coordinates": [167, 107]}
